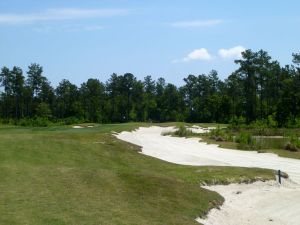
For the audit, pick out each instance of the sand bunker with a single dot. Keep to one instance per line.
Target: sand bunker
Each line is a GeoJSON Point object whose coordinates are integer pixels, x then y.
{"type": "Point", "coordinates": [200, 130]}
{"type": "Point", "coordinates": [261, 203]}
{"type": "Point", "coordinates": [254, 204]}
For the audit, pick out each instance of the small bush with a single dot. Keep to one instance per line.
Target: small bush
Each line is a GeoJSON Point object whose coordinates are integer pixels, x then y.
{"type": "Point", "coordinates": [228, 136]}
{"type": "Point", "coordinates": [220, 135]}
{"type": "Point", "coordinates": [260, 126]}
{"type": "Point", "coordinates": [35, 122]}
{"type": "Point", "coordinates": [183, 132]}
{"type": "Point", "coordinates": [293, 143]}
{"type": "Point", "coordinates": [272, 122]}
{"type": "Point", "coordinates": [25, 122]}
{"type": "Point", "coordinates": [291, 147]}
{"type": "Point", "coordinates": [8, 121]}
{"type": "Point", "coordinates": [243, 138]}
{"type": "Point", "coordinates": [246, 141]}
{"type": "Point", "coordinates": [237, 122]}
{"type": "Point", "coordinates": [41, 122]}
{"type": "Point", "coordinates": [297, 122]}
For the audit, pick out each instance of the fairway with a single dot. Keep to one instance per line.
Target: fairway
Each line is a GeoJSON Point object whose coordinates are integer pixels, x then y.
{"type": "Point", "coordinates": [61, 175]}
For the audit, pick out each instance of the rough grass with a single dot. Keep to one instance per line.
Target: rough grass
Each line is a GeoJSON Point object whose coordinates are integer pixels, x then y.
{"type": "Point", "coordinates": [61, 175]}
{"type": "Point", "coordinates": [233, 145]}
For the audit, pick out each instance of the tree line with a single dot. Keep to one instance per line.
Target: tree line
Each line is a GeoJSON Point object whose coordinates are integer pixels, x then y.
{"type": "Point", "coordinates": [259, 90]}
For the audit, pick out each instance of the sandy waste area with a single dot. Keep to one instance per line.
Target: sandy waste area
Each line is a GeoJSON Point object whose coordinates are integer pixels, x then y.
{"type": "Point", "coordinates": [260, 203]}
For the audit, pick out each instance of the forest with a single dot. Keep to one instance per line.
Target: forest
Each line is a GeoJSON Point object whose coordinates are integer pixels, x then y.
{"type": "Point", "coordinates": [259, 91]}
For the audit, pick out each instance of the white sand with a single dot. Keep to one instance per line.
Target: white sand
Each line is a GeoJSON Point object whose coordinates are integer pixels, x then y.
{"type": "Point", "coordinates": [257, 204]}
{"type": "Point", "coordinates": [200, 130]}
{"type": "Point", "coordinates": [78, 127]}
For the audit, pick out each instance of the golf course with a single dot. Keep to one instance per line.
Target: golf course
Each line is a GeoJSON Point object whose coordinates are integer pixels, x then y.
{"type": "Point", "coordinates": [132, 112]}
{"type": "Point", "coordinates": [63, 175]}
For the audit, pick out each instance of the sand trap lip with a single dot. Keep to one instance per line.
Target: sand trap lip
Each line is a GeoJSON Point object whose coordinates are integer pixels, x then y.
{"type": "Point", "coordinates": [266, 202]}
{"type": "Point", "coordinates": [79, 127]}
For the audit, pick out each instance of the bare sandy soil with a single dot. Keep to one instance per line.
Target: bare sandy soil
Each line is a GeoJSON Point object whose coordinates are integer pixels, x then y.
{"type": "Point", "coordinates": [245, 204]}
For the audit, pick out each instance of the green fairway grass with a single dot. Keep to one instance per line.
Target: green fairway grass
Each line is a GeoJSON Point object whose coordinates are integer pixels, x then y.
{"type": "Point", "coordinates": [61, 175]}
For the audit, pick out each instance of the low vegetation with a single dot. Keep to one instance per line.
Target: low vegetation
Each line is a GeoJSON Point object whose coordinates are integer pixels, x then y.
{"type": "Point", "coordinates": [182, 131]}
{"type": "Point", "coordinates": [284, 142]}
{"type": "Point", "coordinates": [60, 175]}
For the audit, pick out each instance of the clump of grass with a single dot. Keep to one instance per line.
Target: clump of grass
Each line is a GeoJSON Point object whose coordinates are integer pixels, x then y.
{"type": "Point", "coordinates": [183, 132]}
{"type": "Point", "coordinates": [246, 141]}
{"type": "Point", "coordinates": [293, 143]}
{"type": "Point", "coordinates": [219, 134]}
{"type": "Point", "coordinates": [243, 138]}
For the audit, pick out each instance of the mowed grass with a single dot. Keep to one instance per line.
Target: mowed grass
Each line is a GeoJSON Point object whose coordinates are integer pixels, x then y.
{"type": "Point", "coordinates": [61, 175]}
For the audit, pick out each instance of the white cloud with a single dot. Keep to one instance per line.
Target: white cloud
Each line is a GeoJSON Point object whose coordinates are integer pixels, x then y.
{"type": "Point", "coordinates": [67, 28]}
{"type": "Point", "coordinates": [198, 54]}
{"type": "Point", "coordinates": [94, 28]}
{"type": "Point", "coordinates": [60, 14]}
{"type": "Point", "coordinates": [196, 23]}
{"type": "Point", "coordinates": [232, 53]}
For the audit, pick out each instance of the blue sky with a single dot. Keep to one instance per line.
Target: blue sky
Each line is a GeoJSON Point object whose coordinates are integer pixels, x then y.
{"type": "Point", "coordinates": [80, 39]}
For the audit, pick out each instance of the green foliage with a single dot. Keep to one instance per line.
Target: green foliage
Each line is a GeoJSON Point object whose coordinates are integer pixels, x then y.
{"type": "Point", "coordinates": [183, 131]}
{"type": "Point", "coordinates": [34, 122]}
{"type": "Point", "coordinates": [260, 126]}
{"type": "Point", "coordinates": [246, 141]}
{"type": "Point", "coordinates": [272, 123]}
{"type": "Point", "coordinates": [237, 122]}
{"type": "Point", "coordinates": [71, 120]}
{"type": "Point", "coordinates": [43, 110]}
{"type": "Point", "coordinates": [260, 94]}
{"type": "Point", "coordinates": [292, 143]}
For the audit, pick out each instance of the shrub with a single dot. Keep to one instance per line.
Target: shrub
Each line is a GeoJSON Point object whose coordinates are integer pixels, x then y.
{"type": "Point", "coordinates": [272, 122]}
{"type": "Point", "coordinates": [218, 134]}
{"type": "Point", "coordinates": [243, 138]}
{"type": "Point", "coordinates": [260, 126]}
{"type": "Point", "coordinates": [237, 122]}
{"type": "Point", "coordinates": [293, 143]}
{"type": "Point", "coordinates": [182, 131]}
{"type": "Point", "coordinates": [41, 122]}
{"type": "Point", "coordinates": [297, 121]}
{"type": "Point", "coordinates": [246, 141]}
{"type": "Point", "coordinates": [25, 122]}
{"type": "Point", "coordinates": [291, 147]}
{"type": "Point", "coordinates": [35, 122]}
